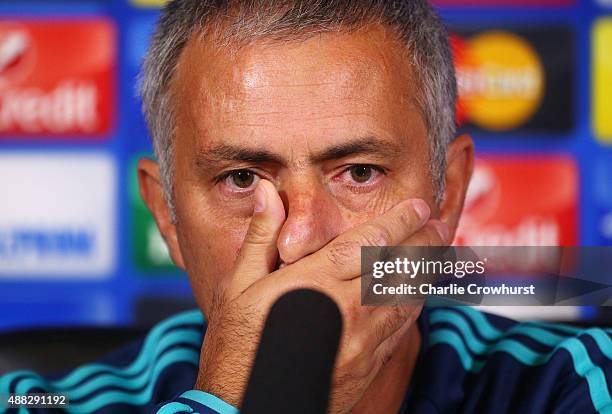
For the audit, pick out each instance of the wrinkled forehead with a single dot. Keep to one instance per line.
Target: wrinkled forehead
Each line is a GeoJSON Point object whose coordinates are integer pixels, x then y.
{"type": "Point", "coordinates": [361, 82]}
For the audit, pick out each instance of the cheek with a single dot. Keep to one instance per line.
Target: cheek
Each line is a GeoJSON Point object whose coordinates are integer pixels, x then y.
{"type": "Point", "coordinates": [209, 246]}
{"type": "Point", "coordinates": [396, 189]}
{"type": "Point", "coordinates": [359, 211]}
{"type": "Point", "coordinates": [213, 251]}
{"type": "Point", "coordinates": [210, 234]}
{"type": "Point", "coordinates": [384, 200]}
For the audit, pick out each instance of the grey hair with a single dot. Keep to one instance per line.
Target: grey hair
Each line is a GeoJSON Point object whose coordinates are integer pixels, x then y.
{"type": "Point", "coordinates": [414, 22]}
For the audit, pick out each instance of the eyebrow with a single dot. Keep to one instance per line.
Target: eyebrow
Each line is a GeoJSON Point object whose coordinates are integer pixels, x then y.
{"type": "Point", "coordinates": [223, 153]}
{"type": "Point", "coordinates": [366, 145]}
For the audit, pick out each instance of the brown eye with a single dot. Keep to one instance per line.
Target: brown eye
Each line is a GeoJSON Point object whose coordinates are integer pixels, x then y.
{"type": "Point", "coordinates": [361, 173]}
{"type": "Point", "coordinates": [243, 178]}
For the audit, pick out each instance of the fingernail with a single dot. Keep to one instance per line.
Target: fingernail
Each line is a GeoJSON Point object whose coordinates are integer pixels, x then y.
{"type": "Point", "coordinates": [421, 208]}
{"type": "Point", "coordinates": [260, 198]}
{"type": "Point", "coordinates": [442, 229]}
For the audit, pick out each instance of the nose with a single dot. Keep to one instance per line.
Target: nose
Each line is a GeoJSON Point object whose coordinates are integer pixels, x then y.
{"type": "Point", "coordinates": [313, 219]}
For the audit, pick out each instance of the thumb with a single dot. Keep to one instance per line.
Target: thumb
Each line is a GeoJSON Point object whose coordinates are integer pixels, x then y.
{"type": "Point", "coordinates": [259, 252]}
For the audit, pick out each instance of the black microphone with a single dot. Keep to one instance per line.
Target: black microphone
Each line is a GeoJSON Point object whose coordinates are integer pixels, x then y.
{"type": "Point", "coordinates": [294, 363]}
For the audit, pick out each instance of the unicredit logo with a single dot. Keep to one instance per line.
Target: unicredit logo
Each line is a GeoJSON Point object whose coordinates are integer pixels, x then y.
{"type": "Point", "coordinates": [483, 197]}
{"type": "Point", "coordinates": [57, 78]}
{"type": "Point", "coordinates": [12, 50]}
{"type": "Point", "coordinates": [71, 106]}
{"type": "Point", "coordinates": [501, 211]}
{"type": "Point", "coordinates": [16, 55]}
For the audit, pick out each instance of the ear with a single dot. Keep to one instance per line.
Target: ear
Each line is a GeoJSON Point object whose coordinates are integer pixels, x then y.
{"type": "Point", "coordinates": [152, 193]}
{"type": "Point", "coordinates": [459, 167]}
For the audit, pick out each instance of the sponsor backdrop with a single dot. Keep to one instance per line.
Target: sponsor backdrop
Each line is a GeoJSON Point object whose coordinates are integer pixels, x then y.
{"type": "Point", "coordinates": [78, 246]}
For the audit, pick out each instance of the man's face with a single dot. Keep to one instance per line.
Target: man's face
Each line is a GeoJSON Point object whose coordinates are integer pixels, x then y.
{"type": "Point", "coordinates": [331, 121]}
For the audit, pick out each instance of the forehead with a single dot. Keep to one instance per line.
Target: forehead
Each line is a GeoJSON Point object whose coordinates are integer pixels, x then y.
{"type": "Point", "coordinates": [357, 82]}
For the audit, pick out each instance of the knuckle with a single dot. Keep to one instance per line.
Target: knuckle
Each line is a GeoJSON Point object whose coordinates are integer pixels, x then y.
{"type": "Point", "coordinates": [258, 233]}
{"type": "Point", "coordinates": [341, 253]}
{"type": "Point", "coordinates": [376, 234]}
{"type": "Point", "coordinates": [353, 349]}
{"type": "Point", "coordinates": [361, 364]}
{"type": "Point", "coordinates": [408, 219]}
{"type": "Point", "coordinates": [363, 368]}
{"type": "Point", "coordinates": [354, 352]}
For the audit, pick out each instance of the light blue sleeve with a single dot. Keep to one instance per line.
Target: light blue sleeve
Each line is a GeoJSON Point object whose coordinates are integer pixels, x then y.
{"type": "Point", "coordinates": [197, 402]}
